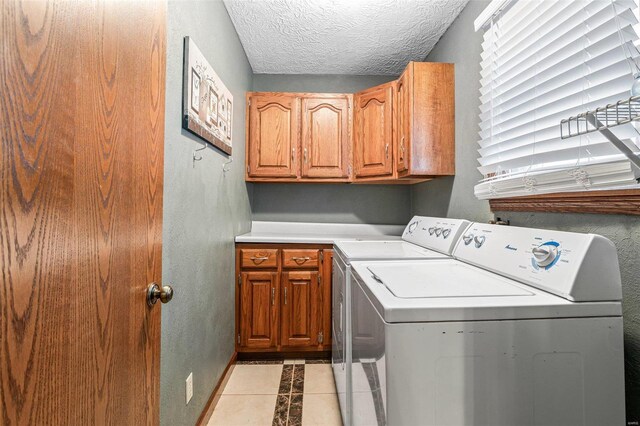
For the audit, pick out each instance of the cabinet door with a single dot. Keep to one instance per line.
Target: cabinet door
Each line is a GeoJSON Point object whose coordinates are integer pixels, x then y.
{"type": "Point", "coordinates": [374, 131]}
{"type": "Point", "coordinates": [258, 309]}
{"type": "Point", "coordinates": [325, 137]}
{"type": "Point", "coordinates": [300, 305]}
{"type": "Point", "coordinates": [273, 136]}
{"type": "Point", "coordinates": [402, 115]}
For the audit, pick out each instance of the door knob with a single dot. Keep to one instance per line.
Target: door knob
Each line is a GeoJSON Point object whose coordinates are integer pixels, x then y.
{"type": "Point", "coordinates": [155, 292]}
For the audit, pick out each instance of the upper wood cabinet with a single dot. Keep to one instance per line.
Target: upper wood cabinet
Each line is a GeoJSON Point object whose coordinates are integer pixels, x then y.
{"type": "Point", "coordinates": [296, 137]}
{"type": "Point", "coordinates": [325, 137]}
{"type": "Point", "coordinates": [399, 132]}
{"type": "Point", "coordinates": [273, 135]}
{"type": "Point", "coordinates": [373, 124]}
{"type": "Point", "coordinates": [425, 121]}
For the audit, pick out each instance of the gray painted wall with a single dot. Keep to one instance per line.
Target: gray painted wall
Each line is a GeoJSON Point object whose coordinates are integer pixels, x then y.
{"type": "Point", "coordinates": [341, 203]}
{"type": "Point", "coordinates": [387, 204]}
{"type": "Point", "coordinates": [204, 209]}
{"type": "Point", "coordinates": [454, 197]}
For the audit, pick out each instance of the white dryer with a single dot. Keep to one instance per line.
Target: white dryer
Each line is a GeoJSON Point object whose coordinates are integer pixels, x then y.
{"type": "Point", "coordinates": [524, 328]}
{"type": "Point", "coordinates": [423, 238]}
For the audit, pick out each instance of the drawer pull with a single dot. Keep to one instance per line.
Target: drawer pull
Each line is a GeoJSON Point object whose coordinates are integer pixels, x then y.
{"type": "Point", "coordinates": [300, 260]}
{"type": "Point", "coordinates": [259, 260]}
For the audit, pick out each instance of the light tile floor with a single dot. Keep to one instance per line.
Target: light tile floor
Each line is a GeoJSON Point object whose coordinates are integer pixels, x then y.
{"type": "Point", "coordinates": [293, 393]}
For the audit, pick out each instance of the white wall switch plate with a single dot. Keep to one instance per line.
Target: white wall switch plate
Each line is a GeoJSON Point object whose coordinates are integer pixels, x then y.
{"type": "Point", "coordinates": [189, 387]}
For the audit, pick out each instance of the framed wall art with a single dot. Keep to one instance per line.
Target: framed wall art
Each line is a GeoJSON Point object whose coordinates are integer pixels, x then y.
{"type": "Point", "coordinates": [207, 104]}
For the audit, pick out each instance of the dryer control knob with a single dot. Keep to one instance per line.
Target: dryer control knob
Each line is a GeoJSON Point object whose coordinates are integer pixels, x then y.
{"type": "Point", "coordinates": [446, 232]}
{"type": "Point", "coordinates": [467, 239]}
{"type": "Point", "coordinates": [544, 255]}
{"type": "Point", "coordinates": [479, 240]}
{"type": "Point", "coordinates": [432, 230]}
{"type": "Point", "coordinates": [438, 232]}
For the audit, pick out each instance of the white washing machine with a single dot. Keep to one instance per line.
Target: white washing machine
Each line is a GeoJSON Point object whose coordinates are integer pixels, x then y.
{"type": "Point", "coordinates": [423, 238]}
{"type": "Point", "coordinates": [524, 328]}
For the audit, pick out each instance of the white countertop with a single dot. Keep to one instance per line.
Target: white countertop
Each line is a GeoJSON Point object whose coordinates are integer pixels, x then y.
{"type": "Point", "coordinates": [317, 233]}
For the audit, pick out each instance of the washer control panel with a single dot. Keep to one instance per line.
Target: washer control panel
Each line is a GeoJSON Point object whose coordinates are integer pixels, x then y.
{"type": "Point", "coordinates": [434, 233]}
{"type": "Point", "coordinates": [568, 264]}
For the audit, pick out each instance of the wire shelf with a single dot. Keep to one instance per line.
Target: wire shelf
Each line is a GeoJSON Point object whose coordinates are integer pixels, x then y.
{"type": "Point", "coordinates": [601, 120]}
{"type": "Point", "coordinates": [622, 112]}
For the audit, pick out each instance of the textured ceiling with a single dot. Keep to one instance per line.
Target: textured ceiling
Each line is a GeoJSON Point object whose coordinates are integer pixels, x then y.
{"type": "Point", "coordinates": [367, 37]}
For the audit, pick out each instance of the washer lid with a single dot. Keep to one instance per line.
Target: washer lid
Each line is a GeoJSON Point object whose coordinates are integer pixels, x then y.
{"type": "Point", "coordinates": [363, 250]}
{"type": "Point", "coordinates": [444, 290]}
{"type": "Point", "coordinates": [419, 280]}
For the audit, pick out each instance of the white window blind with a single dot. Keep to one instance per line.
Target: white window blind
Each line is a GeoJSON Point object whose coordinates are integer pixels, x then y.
{"type": "Point", "coordinates": [544, 61]}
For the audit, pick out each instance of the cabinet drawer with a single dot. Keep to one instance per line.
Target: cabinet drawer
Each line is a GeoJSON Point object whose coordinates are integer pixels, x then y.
{"type": "Point", "coordinates": [303, 258]}
{"type": "Point", "coordinates": [259, 258]}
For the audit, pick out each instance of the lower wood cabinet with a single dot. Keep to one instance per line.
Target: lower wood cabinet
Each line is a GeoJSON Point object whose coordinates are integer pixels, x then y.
{"type": "Point", "coordinates": [283, 302]}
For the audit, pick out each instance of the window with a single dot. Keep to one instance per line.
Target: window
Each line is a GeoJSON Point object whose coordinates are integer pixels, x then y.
{"type": "Point", "coordinates": [544, 61]}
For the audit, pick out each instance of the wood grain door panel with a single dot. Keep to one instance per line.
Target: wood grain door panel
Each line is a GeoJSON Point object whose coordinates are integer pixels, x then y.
{"type": "Point", "coordinates": [258, 309]}
{"type": "Point", "coordinates": [300, 308]}
{"type": "Point", "coordinates": [325, 137]}
{"type": "Point", "coordinates": [273, 135]}
{"type": "Point", "coordinates": [81, 173]}
{"type": "Point", "coordinates": [374, 132]}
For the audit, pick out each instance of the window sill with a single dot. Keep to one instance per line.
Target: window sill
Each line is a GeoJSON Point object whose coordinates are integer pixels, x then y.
{"type": "Point", "coordinates": [600, 202]}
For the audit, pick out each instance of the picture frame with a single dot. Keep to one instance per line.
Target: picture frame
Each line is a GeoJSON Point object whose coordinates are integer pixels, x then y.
{"type": "Point", "coordinates": [207, 104]}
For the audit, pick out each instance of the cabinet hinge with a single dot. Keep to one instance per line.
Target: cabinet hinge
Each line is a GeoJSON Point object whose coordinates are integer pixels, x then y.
{"type": "Point", "coordinates": [239, 279]}
{"type": "Point", "coordinates": [321, 256]}
{"type": "Point", "coordinates": [238, 338]}
{"type": "Point", "coordinates": [248, 169]}
{"type": "Point", "coordinates": [349, 171]}
{"type": "Point", "coordinates": [319, 280]}
{"type": "Point", "coordinates": [320, 337]}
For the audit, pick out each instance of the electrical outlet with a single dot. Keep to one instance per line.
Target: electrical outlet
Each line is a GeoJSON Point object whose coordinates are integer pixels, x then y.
{"type": "Point", "coordinates": [189, 387]}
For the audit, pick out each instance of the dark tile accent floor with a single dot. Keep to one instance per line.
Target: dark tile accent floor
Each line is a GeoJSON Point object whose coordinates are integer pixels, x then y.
{"type": "Point", "coordinates": [288, 411]}
{"type": "Point", "coordinates": [260, 362]}
{"type": "Point", "coordinates": [317, 361]}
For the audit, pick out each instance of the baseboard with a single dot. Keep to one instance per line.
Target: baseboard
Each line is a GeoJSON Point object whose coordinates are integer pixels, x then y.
{"type": "Point", "coordinates": [217, 392]}
{"type": "Point", "coordinates": [259, 356]}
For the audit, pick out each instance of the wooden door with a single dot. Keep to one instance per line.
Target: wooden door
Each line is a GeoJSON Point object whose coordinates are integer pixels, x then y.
{"type": "Point", "coordinates": [325, 137]}
{"type": "Point", "coordinates": [81, 172]}
{"type": "Point", "coordinates": [259, 309]}
{"type": "Point", "coordinates": [273, 135]}
{"type": "Point", "coordinates": [300, 308]}
{"type": "Point", "coordinates": [402, 114]}
{"type": "Point", "coordinates": [374, 131]}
